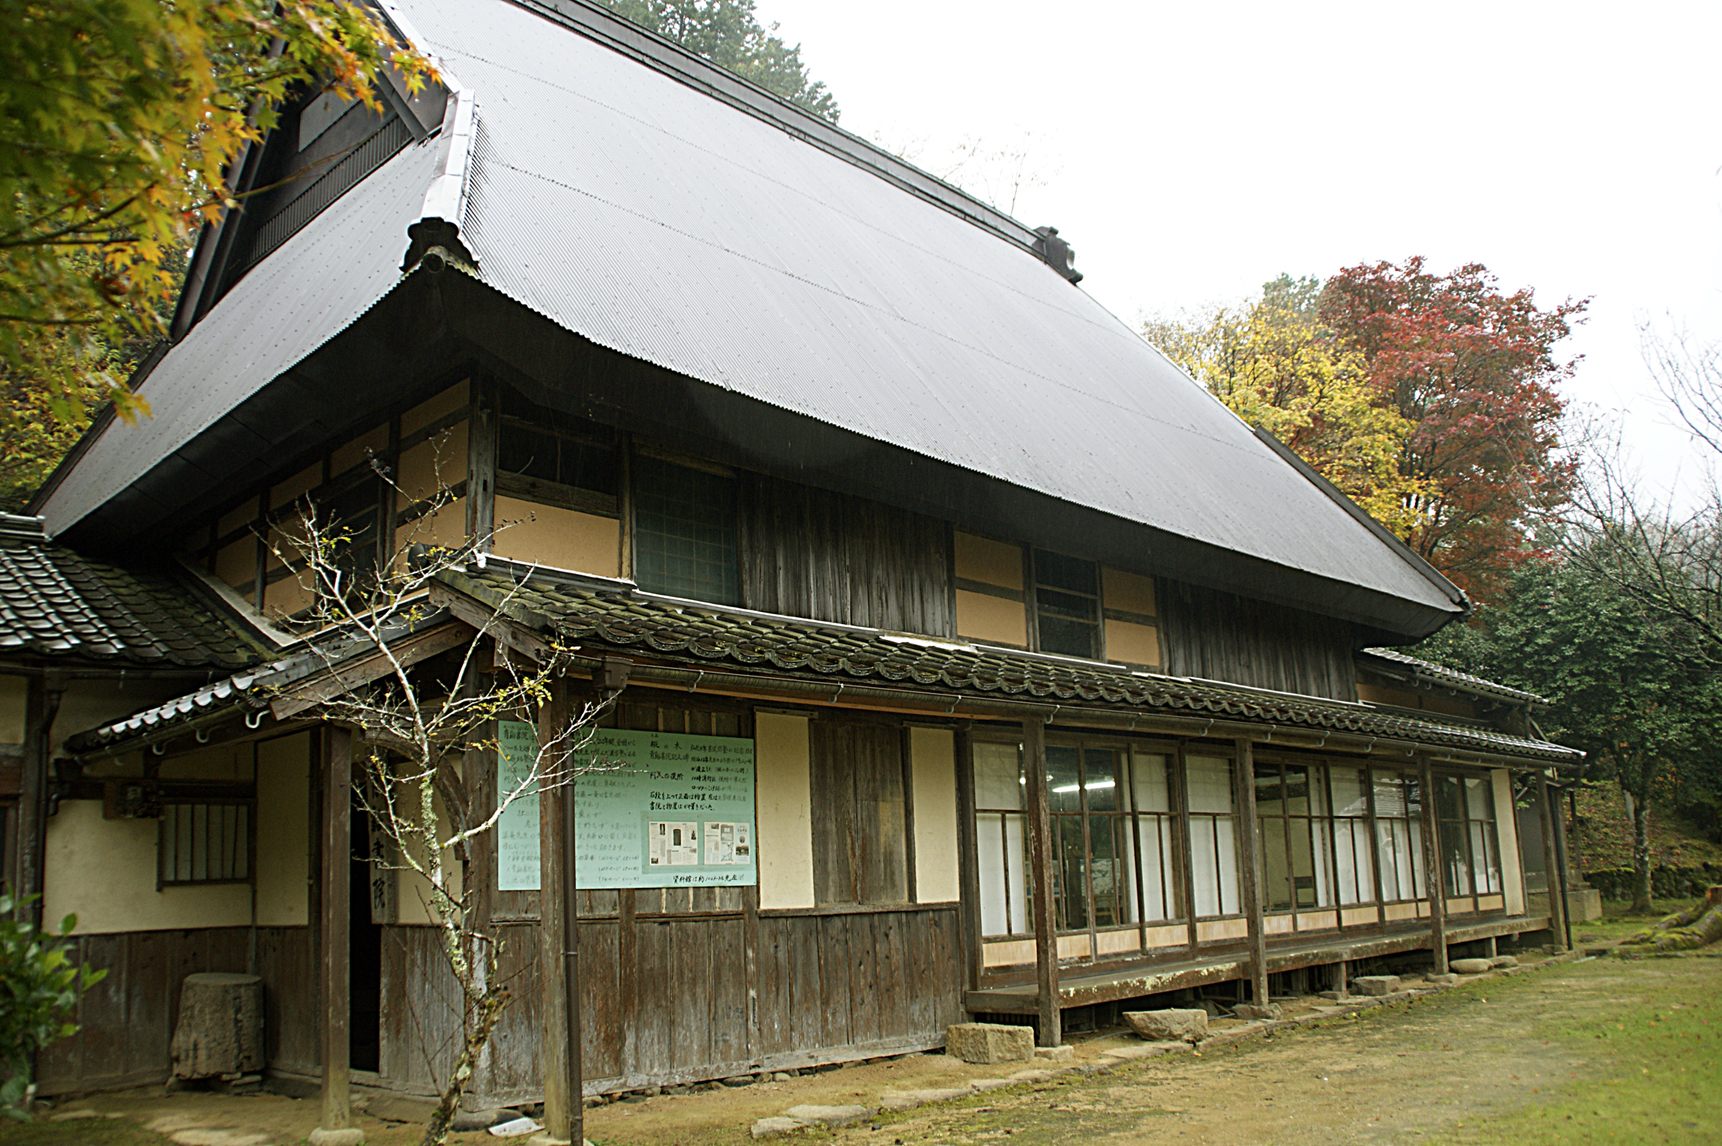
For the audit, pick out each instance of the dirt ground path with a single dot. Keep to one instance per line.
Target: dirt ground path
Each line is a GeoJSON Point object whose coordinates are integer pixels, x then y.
{"type": "Point", "coordinates": [1463, 1066]}
{"type": "Point", "coordinates": [1594, 1051]}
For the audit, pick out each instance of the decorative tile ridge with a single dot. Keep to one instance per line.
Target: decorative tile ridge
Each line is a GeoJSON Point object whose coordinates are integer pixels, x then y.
{"type": "Point", "coordinates": [1430, 672]}
{"type": "Point", "coordinates": [618, 616]}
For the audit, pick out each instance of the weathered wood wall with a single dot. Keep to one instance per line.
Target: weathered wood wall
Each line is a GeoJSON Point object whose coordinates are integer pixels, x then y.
{"type": "Point", "coordinates": [1221, 636]}
{"type": "Point", "coordinates": [125, 1023]}
{"type": "Point", "coordinates": [810, 553]}
{"type": "Point", "coordinates": [667, 999]}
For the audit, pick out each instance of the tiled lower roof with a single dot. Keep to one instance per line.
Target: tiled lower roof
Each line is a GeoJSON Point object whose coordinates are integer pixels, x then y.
{"type": "Point", "coordinates": [55, 602]}
{"type": "Point", "coordinates": [1439, 674]}
{"type": "Point", "coordinates": [620, 617]}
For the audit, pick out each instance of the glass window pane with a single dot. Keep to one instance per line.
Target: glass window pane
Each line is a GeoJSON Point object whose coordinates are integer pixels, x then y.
{"type": "Point", "coordinates": [1276, 872]}
{"type": "Point", "coordinates": [1067, 637]}
{"type": "Point", "coordinates": [998, 776]}
{"type": "Point", "coordinates": [1210, 783]}
{"type": "Point", "coordinates": [1070, 873]}
{"type": "Point", "coordinates": [1153, 842]}
{"type": "Point", "coordinates": [1348, 792]}
{"type": "Point", "coordinates": [1063, 779]}
{"type": "Point", "coordinates": [1270, 791]}
{"type": "Point", "coordinates": [1001, 857]}
{"type": "Point", "coordinates": [1297, 791]}
{"type": "Point", "coordinates": [1069, 573]}
{"type": "Point", "coordinates": [1389, 795]}
{"type": "Point", "coordinates": [1100, 779]}
{"type": "Point", "coordinates": [1153, 794]}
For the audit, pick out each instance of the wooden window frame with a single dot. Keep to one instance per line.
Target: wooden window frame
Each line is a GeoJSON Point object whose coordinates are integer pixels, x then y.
{"type": "Point", "coordinates": [166, 829]}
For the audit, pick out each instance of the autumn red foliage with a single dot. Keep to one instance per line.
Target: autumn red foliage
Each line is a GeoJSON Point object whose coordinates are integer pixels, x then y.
{"type": "Point", "coordinates": [1475, 370]}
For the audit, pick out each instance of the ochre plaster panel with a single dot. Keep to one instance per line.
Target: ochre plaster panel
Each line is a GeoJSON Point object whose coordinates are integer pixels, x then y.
{"type": "Point", "coordinates": [933, 766]}
{"type": "Point", "coordinates": [1130, 592]}
{"type": "Point", "coordinates": [560, 538]}
{"type": "Point", "coordinates": [784, 810]}
{"type": "Point", "coordinates": [442, 403]}
{"type": "Point", "coordinates": [1133, 644]}
{"type": "Point", "coordinates": [992, 619]}
{"type": "Point", "coordinates": [989, 562]}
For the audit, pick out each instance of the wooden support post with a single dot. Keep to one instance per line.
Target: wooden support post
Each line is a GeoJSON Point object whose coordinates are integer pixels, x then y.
{"type": "Point", "coordinates": [32, 800]}
{"type": "Point", "coordinates": [1338, 980]}
{"type": "Point", "coordinates": [1244, 784]}
{"type": "Point", "coordinates": [969, 905]}
{"type": "Point", "coordinates": [335, 928]}
{"type": "Point", "coordinates": [1040, 859]}
{"type": "Point", "coordinates": [482, 444]}
{"type": "Point", "coordinates": [559, 1012]}
{"type": "Point", "coordinates": [1551, 861]}
{"type": "Point", "coordinates": [1432, 868]}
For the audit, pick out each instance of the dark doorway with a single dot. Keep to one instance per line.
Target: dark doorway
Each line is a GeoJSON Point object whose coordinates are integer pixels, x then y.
{"type": "Point", "coordinates": [366, 961]}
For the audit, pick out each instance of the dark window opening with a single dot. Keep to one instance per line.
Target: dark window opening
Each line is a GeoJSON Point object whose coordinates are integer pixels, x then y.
{"type": "Point", "coordinates": [550, 457]}
{"type": "Point", "coordinates": [1067, 605]}
{"type": "Point", "coordinates": [685, 533]}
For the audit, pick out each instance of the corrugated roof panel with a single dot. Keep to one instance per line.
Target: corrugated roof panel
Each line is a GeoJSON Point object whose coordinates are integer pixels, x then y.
{"type": "Point", "coordinates": [659, 222]}
{"type": "Point", "coordinates": [315, 285]}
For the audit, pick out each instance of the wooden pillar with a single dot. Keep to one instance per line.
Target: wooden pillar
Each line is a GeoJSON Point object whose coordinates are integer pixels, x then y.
{"type": "Point", "coordinates": [1244, 785]}
{"type": "Point", "coordinates": [482, 444]}
{"type": "Point", "coordinates": [32, 800]}
{"type": "Point", "coordinates": [1040, 860]}
{"type": "Point", "coordinates": [1551, 860]}
{"type": "Point", "coordinates": [969, 906]}
{"type": "Point", "coordinates": [1338, 980]}
{"type": "Point", "coordinates": [335, 926]}
{"type": "Point", "coordinates": [1432, 868]}
{"type": "Point", "coordinates": [559, 1012]}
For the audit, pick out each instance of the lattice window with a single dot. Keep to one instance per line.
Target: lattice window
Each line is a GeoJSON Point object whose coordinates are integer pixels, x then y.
{"type": "Point", "coordinates": [205, 842]}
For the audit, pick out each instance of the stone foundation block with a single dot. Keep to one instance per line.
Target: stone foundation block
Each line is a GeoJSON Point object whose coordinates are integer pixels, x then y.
{"type": "Point", "coordinates": [1501, 961]}
{"type": "Point", "coordinates": [1446, 980]}
{"type": "Point", "coordinates": [987, 1043]}
{"type": "Point", "coordinates": [1375, 984]}
{"type": "Point", "coordinates": [1470, 966]}
{"type": "Point", "coordinates": [1173, 1024]}
{"type": "Point", "coordinates": [1064, 1053]}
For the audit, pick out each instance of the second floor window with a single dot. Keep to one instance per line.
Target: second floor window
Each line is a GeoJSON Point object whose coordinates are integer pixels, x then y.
{"type": "Point", "coordinates": [1066, 605]}
{"type": "Point", "coordinates": [685, 532]}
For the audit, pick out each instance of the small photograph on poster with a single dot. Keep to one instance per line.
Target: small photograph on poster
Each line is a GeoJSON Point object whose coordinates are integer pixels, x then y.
{"type": "Point", "coordinates": [672, 843]}
{"type": "Point", "coordinates": [720, 843]}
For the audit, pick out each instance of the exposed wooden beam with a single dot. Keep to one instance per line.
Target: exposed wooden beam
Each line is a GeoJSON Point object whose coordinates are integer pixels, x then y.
{"type": "Point", "coordinates": [1051, 1031]}
{"type": "Point", "coordinates": [1249, 868]}
{"type": "Point", "coordinates": [1432, 867]}
{"type": "Point", "coordinates": [335, 681]}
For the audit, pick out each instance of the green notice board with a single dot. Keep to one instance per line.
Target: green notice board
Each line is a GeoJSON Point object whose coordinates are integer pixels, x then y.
{"type": "Point", "coordinates": [652, 809]}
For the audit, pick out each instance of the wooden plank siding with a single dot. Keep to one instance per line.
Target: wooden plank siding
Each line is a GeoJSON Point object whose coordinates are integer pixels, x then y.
{"type": "Point", "coordinates": [1221, 636]}
{"type": "Point", "coordinates": [126, 1021]}
{"type": "Point", "coordinates": [828, 987]}
{"type": "Point", "coordinates": [810, 553]}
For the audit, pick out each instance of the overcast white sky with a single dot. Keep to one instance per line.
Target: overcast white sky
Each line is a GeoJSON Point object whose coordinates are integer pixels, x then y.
{"type": "Point", "coordinates": [1190, 151]}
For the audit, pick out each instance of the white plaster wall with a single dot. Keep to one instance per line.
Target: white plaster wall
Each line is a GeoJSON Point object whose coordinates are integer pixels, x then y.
{"type": "Point", "coordinates": [933, 768]}
{"type": "Point", "coordinates": [104, 872]}
{"type": "Point", "coordinates": [284, 831]}
{"type": "Point", "coordinates": [784, 809]}
{"type": "Point", "coordinates": [1507, 830]}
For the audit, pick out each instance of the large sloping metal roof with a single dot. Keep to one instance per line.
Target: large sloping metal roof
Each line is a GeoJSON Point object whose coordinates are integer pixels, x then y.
{"type": "Point", "coordinates": [612, 187]}
{"type": "Point", "coordinates": [639, 212]}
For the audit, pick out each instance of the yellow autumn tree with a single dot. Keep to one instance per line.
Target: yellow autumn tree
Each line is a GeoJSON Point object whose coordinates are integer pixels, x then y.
{"type": "Point", "coordinates": [1273, 364]}
{"type": "Point", "coordinates": [118, 122]}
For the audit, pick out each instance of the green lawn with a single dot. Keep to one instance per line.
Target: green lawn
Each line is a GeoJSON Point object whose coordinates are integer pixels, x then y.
{"type": "Point", "coordinates": [85, 1132]}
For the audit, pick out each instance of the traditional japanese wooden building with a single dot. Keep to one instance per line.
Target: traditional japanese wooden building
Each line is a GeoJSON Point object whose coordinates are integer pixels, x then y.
{"type": "Point", "coordinates": [1043, 681]}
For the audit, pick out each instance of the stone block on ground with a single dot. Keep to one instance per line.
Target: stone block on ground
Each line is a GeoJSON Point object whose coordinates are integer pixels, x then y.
{"type": "Point", "coordinates": [469, 1121]}
{"type": "Point", "coordinates": [1258, 1011]}
{"type": "Point", "coordinates": [346, 1136]}
{"type": "Point", "coordinates": [1470, 966]}
{"type": "Point", "coordinates": [1171, 1024]}
{"type": "Point", "coordinates": [1500, 961]}
{"type": "Point", "coordinates": [827, 1115]}
{"type": "Point", "coordinates": [1063, 1053]}
{"type": "Point", "coordinates": [989, 1042]}
{"type": "Point", "coordinates": [219, 1030]}
{"type": "Point", "coordinates": [1375, 984]}
{"type": "Point", "coordinates": [1446, 980]}
{"type": "Point", "coordinates": [909, 1099]}
{"type": "Point", "coordinates": [771, 1127]}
